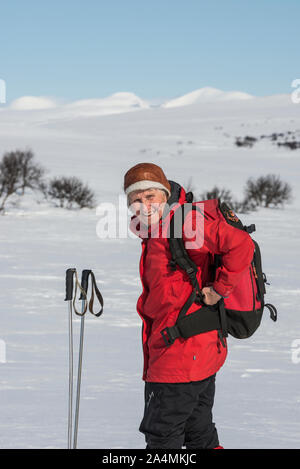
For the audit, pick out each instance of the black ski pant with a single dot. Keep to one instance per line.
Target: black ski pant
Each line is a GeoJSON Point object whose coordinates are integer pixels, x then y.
{"type": "Point", "coordinates": [180, 414]}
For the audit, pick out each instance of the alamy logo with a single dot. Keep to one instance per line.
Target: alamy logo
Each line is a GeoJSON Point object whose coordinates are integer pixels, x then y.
{"type": "Point", "coordinates": [114, 221]}
{"type": "Point", "coordinates": [295, 349]}
{"type": "Point", "coordinates": [2, 351]}
{"type": "Point", "coordinates": [2, 91]}
{"type": "Point", "coordinates": [295, 96]}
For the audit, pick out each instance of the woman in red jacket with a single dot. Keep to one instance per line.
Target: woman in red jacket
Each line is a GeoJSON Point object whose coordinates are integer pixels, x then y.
{"type": "Point", "coordinates": [179, 380]}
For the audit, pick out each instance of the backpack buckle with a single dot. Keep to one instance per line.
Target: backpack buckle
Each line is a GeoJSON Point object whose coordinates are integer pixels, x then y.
{"type": "Point", "coordinates": [172, 264]}
{"type": "Point", "coordinates": [191, 272]}
{"type": "Point", "coordinates": [199, 298]}
{"type": "Point", "coordinates": [170, 334]}
{"type": "Point", "coordinates": [250, 229]}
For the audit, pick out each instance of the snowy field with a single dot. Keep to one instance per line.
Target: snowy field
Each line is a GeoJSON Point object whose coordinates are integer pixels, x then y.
{"type": "Point", "coordinates": [258, 389]}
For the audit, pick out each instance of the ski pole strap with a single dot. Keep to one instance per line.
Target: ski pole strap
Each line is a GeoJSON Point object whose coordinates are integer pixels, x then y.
{"type": "Point", "coordinates": [83, 296]}
{"type": "Point", "coordinates": [95, 290]}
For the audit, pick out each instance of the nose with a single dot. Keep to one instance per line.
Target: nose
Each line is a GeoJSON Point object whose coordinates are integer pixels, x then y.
{"type": "Point", "coordinates": [145, 206]}
{"type": "Point", "coordinates": [147, 203]}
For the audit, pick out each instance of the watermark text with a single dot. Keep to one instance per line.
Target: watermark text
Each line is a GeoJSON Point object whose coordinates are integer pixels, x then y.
{"type": "Point", "coordinates": [295, 351]}
{"type": "Point", "coordinates": [2, 351]}
{"type": "Point", "coordinates": [117, 221]}
{"type": "Point", "coordinates": [295, 96]}
{"type": "Point", "coordinates": [2, 91]}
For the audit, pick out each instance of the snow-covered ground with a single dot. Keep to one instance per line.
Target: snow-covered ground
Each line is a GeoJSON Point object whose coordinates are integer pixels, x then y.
{"type": "Point", "coordinates": [258, 395]}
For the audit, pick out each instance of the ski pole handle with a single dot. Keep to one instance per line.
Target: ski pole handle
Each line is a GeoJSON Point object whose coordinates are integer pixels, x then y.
{"type": "Point", "coordinates": [69, 284]}
{"type": "Point", "coordinates": [84, 282]}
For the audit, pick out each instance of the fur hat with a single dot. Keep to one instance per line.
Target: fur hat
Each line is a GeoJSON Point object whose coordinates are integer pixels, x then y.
{"type": "Point", "coordinates": [146, 176]}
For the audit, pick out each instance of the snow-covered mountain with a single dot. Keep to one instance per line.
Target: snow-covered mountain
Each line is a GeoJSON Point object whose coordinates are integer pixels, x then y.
{"type": "Point", "coordinates": [117, 103]}
{"type": "Point", "coordinates": [38, 108]}
{"type": "Point", "coordinates": [206, 95]}
{"type": "Point", "coordinates": [32, 103]}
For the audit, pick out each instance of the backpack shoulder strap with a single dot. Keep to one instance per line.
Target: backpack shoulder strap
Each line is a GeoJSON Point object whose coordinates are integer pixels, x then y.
{"type": "Point", "coordinates": [194, 323]}
{"type": "Point", "coordinates": [179, 255]}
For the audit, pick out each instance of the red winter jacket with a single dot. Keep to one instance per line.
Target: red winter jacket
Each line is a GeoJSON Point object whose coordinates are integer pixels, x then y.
{"type": "Point", "coordinates": [165, 291]}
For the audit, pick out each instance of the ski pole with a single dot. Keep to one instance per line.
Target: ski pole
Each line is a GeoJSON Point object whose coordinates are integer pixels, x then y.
{"type": "Point", "coordinates": [69, 296]}
{"type": "Point", "coordinates": [83, 297]}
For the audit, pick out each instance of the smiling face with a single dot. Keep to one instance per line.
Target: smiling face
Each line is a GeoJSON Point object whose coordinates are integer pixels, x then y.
{"type": "Point", "coordinates": [148, 205]}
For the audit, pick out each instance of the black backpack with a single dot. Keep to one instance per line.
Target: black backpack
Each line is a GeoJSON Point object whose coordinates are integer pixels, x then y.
{"type": "Point", "coordinates": [238, 315]}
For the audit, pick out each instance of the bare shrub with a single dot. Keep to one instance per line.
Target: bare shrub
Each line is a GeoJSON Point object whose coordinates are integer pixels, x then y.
{"type": "Point", "coordinates": [267, 191]}
{"type": "Point", "coordinates": [70, 192]}
{"type": "Point", "coordinates": [216, 193]}
{"type": "Point", "coordinates": [18, 171]}
{"type": "Point", "coordinates": [244, 206]}
{"type": "Point", "coordinates": [245, 142]}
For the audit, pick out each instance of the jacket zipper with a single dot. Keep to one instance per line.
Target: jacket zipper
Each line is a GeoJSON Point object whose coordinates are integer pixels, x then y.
{"type": "Point", "coordinates": [253, 294]}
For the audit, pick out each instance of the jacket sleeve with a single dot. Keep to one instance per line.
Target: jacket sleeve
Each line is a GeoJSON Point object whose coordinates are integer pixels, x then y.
{"type": "Point", "coordinates": [236, 248]}
{"type": "Point", "coordinates": [218, 237]}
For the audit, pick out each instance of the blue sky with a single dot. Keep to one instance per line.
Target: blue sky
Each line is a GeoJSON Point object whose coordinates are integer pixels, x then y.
{"type": "Point", "coordinates": [75, 49]}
